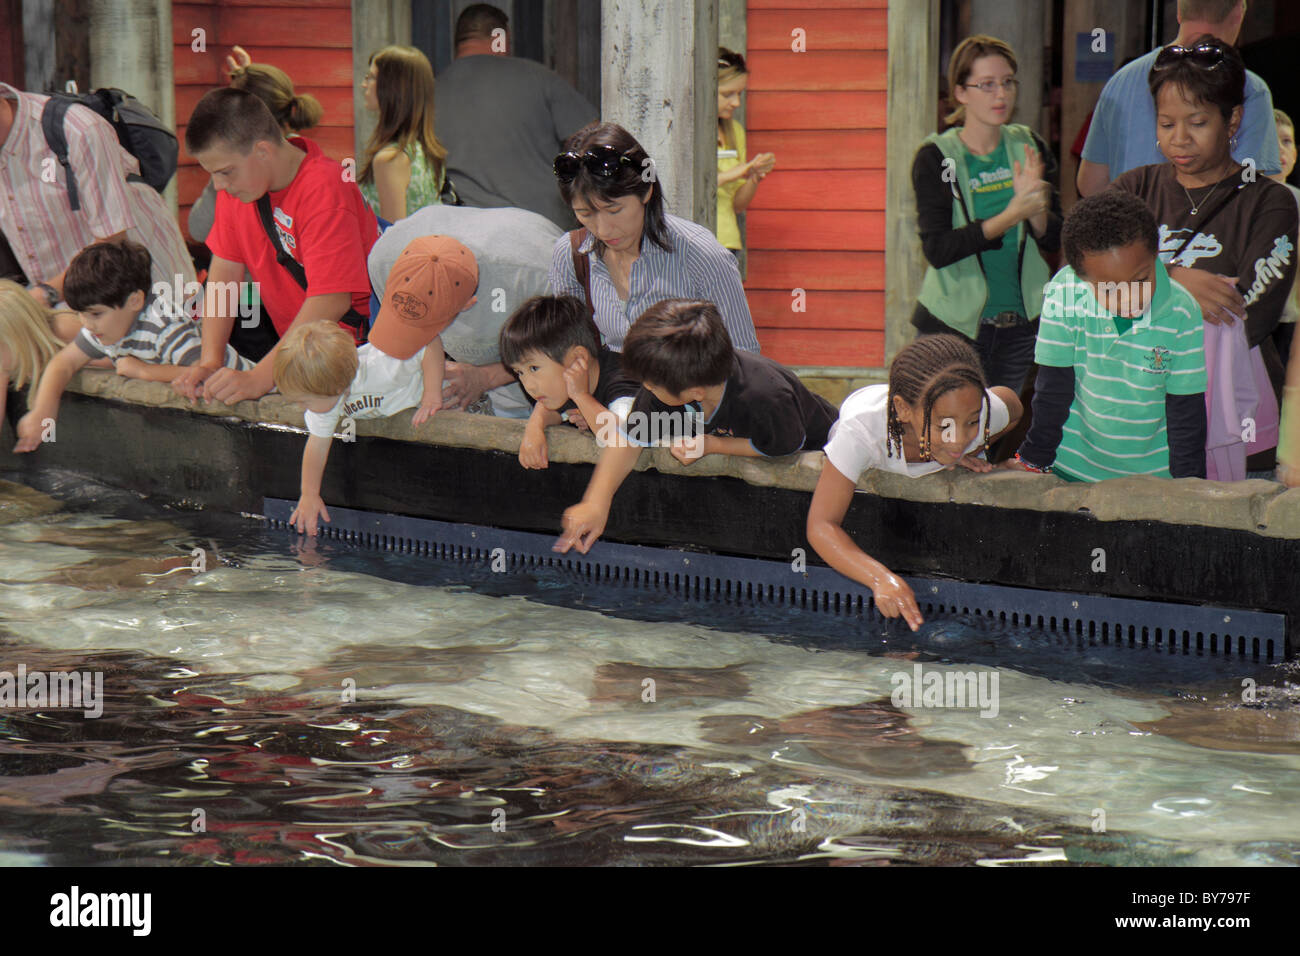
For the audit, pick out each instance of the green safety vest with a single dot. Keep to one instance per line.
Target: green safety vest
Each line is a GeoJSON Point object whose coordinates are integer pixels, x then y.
{"type": "Point", "coordinates": [956, 293]}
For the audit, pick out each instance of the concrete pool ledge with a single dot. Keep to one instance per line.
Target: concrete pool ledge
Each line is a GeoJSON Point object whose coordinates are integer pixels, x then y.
{"type": "Point", "coordinates": [1260, 507]}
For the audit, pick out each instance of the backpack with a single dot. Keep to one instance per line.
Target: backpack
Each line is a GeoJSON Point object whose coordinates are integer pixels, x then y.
{"type": "Point", "coordinates": [138, 129]}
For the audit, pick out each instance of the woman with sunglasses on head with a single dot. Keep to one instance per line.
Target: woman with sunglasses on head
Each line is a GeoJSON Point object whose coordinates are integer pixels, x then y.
{"type": "Point", "coordinates": [1227, 233]}
{"type": "Point", "coordinates": [986, 213]}
{"type": "Point", "coordinates": [738, 179]}
{"type": "Point", "coordinates": [634, 253]}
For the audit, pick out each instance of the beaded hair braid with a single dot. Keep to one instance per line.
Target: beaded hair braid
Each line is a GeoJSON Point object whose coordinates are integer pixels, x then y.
{"type": "Point", "coordinates": [922, 373]}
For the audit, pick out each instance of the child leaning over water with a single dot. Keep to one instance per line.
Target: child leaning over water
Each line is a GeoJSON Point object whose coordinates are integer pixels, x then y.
{"type": "Point", "coordinates": [934, 414]}
{"type": "Point", "coordinates": [1121, 379]}
{"type": "Point", "coordinates": [30, 336]}
{"type": "Point", "coordinates": [703, 396]}
{"type": "Point", "coordinates": [318, 365]}
{"type": "Point", "coordinates": [109, 285]}
{"type": "Point", "coordinates": [554, 347]}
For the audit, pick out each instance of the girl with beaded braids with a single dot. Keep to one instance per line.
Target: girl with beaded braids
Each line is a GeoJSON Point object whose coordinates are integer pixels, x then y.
{"type": "Point", "coordinates": [935, 414]}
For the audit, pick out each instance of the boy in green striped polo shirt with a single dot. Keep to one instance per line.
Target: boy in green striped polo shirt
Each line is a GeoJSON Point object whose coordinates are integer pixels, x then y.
{"type": "Point", "coordinates": [1121, 381]}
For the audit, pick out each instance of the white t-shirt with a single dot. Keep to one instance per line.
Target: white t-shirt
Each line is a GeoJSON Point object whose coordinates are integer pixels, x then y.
{"type": "Point", "coordinates": [383, 386]}
{"type": "Point", "coordinates": [858, 440]}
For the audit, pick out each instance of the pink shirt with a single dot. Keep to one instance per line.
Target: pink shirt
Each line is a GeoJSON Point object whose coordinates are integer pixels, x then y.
{"type": "Point", "coordinates": [35, 214]}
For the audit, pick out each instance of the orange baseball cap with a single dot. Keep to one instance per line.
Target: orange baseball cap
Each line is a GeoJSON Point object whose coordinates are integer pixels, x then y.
{"type": "Point", "coordinates": [427, 288]}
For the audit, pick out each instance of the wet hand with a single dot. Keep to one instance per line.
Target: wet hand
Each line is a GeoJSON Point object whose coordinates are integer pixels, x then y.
{"type": "Point", "coordinates": [894, 597]}
{"type": "Point", "coordinates": [29, 431]}
{"type": "Point", "coordinates": [583, 524]}
{"type": "Point", "coordinates": [305, 515]}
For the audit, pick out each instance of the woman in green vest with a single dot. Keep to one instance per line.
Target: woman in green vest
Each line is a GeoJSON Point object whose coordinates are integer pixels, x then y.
{"type": "Point", "coordinates": [986, 213]}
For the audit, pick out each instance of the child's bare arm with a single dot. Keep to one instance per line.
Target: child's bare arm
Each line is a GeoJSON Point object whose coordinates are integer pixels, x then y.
{"type": "Point", "coordinates": [825, 529]}
{"type": "Point", "coordinates": [54, 380]}
{"type": "Point", "coordinates": [584, 522]}
{"type": "Point", "coordinates": [310, 506]}
{"type": "Point", "coordinates": [128, 366]}
{"type": "Point", "coordinates": [432, 364]}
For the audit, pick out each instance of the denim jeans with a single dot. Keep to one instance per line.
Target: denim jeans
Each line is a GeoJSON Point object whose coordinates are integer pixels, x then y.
{"type": "Point", "coordinates": [1007, 354]}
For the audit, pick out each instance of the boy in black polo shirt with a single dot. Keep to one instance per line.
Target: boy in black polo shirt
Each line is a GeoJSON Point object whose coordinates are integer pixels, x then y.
{"type": "Point", "coordinates": [554, 348]}
{"type": "Point", "coordinates": [700, 396]}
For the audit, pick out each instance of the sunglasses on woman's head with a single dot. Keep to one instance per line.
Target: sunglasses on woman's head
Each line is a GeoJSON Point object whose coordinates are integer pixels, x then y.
{"type": "Point", "coordinates": [602, 161]}
{"type": "Point", "coordinates": [1205, 55]}
{"type": "Point", "coordinates": [732, 59]}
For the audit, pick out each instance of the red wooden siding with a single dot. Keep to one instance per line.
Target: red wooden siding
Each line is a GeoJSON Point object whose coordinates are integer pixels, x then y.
{"type": "Point", "coordinates": [818, 222]}
{"type": "Point", "coordinates": [311, 40]}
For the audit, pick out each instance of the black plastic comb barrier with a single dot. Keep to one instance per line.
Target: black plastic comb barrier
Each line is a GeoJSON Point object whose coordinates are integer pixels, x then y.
{"type": "Point", "coordinates": [1171, 628]}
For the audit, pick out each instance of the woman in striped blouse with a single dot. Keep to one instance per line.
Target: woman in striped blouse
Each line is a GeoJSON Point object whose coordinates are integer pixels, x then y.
{"type": "Point", "coordinates": [637, 254]}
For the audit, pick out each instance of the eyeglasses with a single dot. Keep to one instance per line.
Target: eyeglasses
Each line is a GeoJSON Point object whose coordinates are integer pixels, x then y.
{"type": "Point", "coordinates": [602, 161]}
{"type": "Point", "coordinates": [1010, 84]}
{"type": "Point", "coordinates": [1207, 56]}
{"type": "Point", "coordinates": [732, 59]}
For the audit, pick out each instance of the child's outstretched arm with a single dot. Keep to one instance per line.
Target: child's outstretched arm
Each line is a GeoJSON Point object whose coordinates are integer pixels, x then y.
{"type": "Point", "coordinates": [826, 534]}
{"type": "Point", "coordinates": [532, 450]}
{"type": "Point", "coordinates": [128, 366]}
{"type": "Point", "coordinates": [431, 368]}
{"type": "Point", "coordinates": [585, 521]}
{"type": "Point", "coordinates": [310, 506]}
{"type": "Point", "coordinates": [54, 380]}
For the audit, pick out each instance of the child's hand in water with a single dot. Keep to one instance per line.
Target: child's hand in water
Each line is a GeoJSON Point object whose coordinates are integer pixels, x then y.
{"type": "Point", "coordinates": [974, 463]}
{"type": "Point", "coordinates": [304, 517]}
{"type": "Point", "coordinates": [894, 597]}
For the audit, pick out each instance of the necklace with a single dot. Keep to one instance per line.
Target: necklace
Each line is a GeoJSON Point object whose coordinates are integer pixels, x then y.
{"type": "Point", "coordinates": [1196, 206]}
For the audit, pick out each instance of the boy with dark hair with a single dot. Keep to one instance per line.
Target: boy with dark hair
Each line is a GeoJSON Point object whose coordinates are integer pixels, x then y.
{"type": "Point", "coordinates": [109, 284]}
{"type": "Point", "coordinates": [1121, 379]}
{"type": "Point", "coordinates": [314, 268]}
{"type": "Point", "coordinates": [553, 346]}
{"type": "Point", "coordinates": [702, 397]}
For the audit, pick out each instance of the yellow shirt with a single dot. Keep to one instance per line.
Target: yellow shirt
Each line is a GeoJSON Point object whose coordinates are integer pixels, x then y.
{"type": "Point", "coordinates": [728, 228]}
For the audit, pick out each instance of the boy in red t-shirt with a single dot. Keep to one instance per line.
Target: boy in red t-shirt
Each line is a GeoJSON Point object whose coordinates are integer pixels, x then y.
{"type": "Point", "coordinates": [322, 222]}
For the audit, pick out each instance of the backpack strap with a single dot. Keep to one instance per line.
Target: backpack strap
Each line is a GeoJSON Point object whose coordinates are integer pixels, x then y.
{"type": "Point", "coordinates": [56, 108]}
{"type": "Point", "coordinates": [352, 318]}
{"type": "Point", "coordinates": [582, 265]}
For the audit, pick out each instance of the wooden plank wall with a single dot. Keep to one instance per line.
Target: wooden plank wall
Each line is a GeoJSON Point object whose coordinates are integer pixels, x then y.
{"type": "Point", "coordinates": [818, 221]}
{"type": "Point", "coordinates": [311, 40]}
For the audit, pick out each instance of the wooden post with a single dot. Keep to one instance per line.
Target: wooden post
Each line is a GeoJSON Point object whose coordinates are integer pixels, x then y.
{"type": "Point", "coordinates": [375, 24]}
{"type": "Point", "coordinates": [1020, 25]}
{"type": "Point", "coordinates": [131, 48]}
{"type": "Point", "coordinates": [659, 80]}
{"type": "Point", "coordinates": [913, 94]}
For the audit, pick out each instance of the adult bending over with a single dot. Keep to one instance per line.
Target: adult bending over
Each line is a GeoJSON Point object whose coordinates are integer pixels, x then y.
{"type": "Point", "coordinates": [637, 254]}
